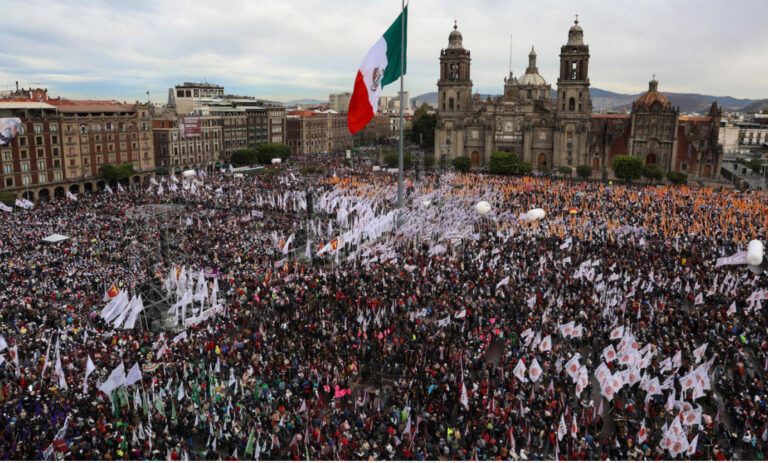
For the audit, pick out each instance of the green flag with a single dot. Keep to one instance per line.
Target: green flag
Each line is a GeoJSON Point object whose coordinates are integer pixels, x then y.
{"type": "Point", "coordinates": [249, 446]}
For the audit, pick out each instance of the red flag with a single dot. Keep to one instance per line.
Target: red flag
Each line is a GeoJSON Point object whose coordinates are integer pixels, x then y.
{"type": "Point", "coordinates": [112, 292]}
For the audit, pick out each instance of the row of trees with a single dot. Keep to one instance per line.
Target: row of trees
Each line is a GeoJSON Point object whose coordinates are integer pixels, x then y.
{"type": "Point", "coordinates": [262, 154]}
{"type": "Point", "coordinates": [632, 168]}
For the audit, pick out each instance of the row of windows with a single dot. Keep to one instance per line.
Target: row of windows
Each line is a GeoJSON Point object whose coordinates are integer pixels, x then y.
{"type": "Point", "coordinates": [41, 178]}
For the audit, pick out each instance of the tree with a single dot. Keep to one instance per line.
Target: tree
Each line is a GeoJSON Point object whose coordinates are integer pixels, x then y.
{"type": "Point", "coordinates": [525, 167]}
{"type": "Point", "coordinates": [503, 163]}
{"type": "Point", "coordinates": [755, 164]}
{"type": "Point", "coordinates": [244, 157]}
{"type": "Point", "coordinates": [429, 161]}
{"type": "Point", "coordinates": [677, 178]}
{"type": "Point", "coordinates": [267, 152]}
{"type": "Point", "coordinates": [653, 172]}
{"type": "Point", "coordinates": [543, 169]}
{"type": "Point", "coordinates": [7, 198]}
{"type": "Point", "coordinates": [116, 174]}
{"type": "Point", "coordinates": [391, 160]}
{"type": "Point", "coordinates": [584, 171]}
{"type": "Point", "coordinates": [627, 167]}
{"type": "Point", "coordinates": [462, 163]}
{"type": "Point", "coordinates": [423, 126]}
{"type": "Point", "coordinates": [565, 170]}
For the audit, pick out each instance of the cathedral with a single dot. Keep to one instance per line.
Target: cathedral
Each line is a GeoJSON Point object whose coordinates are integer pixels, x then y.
{"type": "Point", "coordinates": [562, 131]}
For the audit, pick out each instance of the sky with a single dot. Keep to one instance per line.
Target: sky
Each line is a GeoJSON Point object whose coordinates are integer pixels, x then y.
{"type": "Point", "coordinates": [294, 49]}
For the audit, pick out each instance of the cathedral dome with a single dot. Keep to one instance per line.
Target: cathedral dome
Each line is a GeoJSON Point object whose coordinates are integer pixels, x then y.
{"type": "Point", "coordinates": [652, 96]}
{"type": "Point", "coordinates": [454, 38]}
{"type": "Point", "coordinates": [532, 76]}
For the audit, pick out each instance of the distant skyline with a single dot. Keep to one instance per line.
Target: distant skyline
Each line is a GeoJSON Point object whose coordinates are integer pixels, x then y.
{"type": "Point", "coordinates": [287, 50]}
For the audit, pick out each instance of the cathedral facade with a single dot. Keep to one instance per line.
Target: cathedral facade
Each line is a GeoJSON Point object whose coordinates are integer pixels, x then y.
{"type": "Point", "coordinates": [562, 131]}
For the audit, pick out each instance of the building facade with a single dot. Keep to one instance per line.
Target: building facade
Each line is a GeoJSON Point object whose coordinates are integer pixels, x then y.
{"type": "Point", "coordinates": [656, 132]}
{"type": "Point", "coordinates": [310, 132]}
{"type": "Point", "coordinates": [184, 96]}
{"type": "Point", "coordinates": [265, 125]}
{"type": "Point", "coordinates": [562, 131]}
{"type": "Point", "coordinates": [175, 152]}
{"type": "Point", "coordinates": [339, 102]}
{"type": "Point", "coordinates": [64, 143]}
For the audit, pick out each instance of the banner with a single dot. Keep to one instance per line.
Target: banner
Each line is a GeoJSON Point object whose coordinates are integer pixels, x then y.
{"type": "Point", "coordinates": [189, 126]}
{"type": "Point", "coordinates": [9, 128]}
{"type": "Point", "coordinates": [740, 258]}
{"type": "Point", "coordinates": [211, 271]}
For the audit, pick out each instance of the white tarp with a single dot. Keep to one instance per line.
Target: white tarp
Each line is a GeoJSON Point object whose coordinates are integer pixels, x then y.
{"type": "Point", "coordinates": [55, 238]}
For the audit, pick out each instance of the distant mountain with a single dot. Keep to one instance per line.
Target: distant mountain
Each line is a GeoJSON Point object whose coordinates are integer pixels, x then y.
{"type": "Point", "coordinates": [611, 101]}
{"type": "Point", "coordinates": [306, 101]}
{"type": "Point", "coordinates": [757, 106]}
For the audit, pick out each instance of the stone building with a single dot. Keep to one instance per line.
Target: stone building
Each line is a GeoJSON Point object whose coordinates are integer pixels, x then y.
{"type": "Point", "coordinates": [525, 120]}
{"type": "Point", "coordinates": [562, 131]}
{"type": "Point", "coordinates": [176, 152]}
{"type": "Point", "coordinates": [309, 132]}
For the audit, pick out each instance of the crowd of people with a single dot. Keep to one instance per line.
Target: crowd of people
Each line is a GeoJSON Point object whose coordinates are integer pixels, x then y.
{"type": "Point", "coordinates": [356, 331]}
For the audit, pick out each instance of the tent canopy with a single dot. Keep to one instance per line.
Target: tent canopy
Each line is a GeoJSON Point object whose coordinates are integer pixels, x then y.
{"type": "Point", "coordinates": [55, 238]}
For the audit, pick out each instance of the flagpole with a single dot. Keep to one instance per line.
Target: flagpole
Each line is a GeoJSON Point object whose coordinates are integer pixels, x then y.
{"type": "Point", "coordinates": [400, 139]}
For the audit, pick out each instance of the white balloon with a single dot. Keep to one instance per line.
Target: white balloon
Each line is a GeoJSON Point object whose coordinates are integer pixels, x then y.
{"type": "Point", "coordinates": [426, 203]}
{"type": "Point", "coordinates": [755, 269]}
{"type": "Point", "coordinates": [536, 214]}
{"type": "Point", "coordinates": [483, 208]}
{"type": "Point", "coordinates": [755, 252]}
{"type": "Point", "coordinates": [188, 173]}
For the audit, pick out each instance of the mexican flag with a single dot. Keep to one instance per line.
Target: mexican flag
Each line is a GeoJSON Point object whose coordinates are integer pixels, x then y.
{"type": "Point", "coordinates": [380, 67]}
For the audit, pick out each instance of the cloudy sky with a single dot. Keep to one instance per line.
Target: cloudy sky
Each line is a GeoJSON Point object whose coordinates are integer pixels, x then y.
{"type": "Point", "coordinates": [288, 49]}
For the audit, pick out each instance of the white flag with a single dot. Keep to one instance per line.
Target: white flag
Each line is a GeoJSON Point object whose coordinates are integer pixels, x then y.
{"type": "Point", "coordinates": [108, 189]}
{"type": "Point", "coordinates": [3, 344]}
{"type": "Point", "coordinates": [89, 367]}
{"type": "Point", "coordinates": [535, 371]}
{"type": "Point", "coordinates": [134, 375]}
{"type": "Point", "coordinates": [71, 196]}
{"type": "Point", "coordinates": [731, 310]}
{"type": "Point", "coordinates": [464, 397]}
{"type": "Point", "coordinates": [519, 371]}
{"type": "Point", "coordinates": [115, 380]}
{"type": "Point", "coordinates": [561, 429]}
{"type": "Point", "coordinates": [699, 299]}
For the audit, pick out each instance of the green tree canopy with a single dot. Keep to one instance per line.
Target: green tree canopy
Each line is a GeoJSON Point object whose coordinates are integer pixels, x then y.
{"type": "Point", "coordinates": [677, 178]}
{"type": "Point", "coordinates": [653, 172]}
{"type": "Point", "coordinates": [503, 163]}
{"type": "Point", "coordinates": [462, 163]}
{"type": "Point", "coordinates": [627, 167]}
{"type": "Point", "coordinates": [584, 171]}
{"type": "Point", "coordinates": [117, 174]}
{"type": "Point", "coordinates": [423, 126]}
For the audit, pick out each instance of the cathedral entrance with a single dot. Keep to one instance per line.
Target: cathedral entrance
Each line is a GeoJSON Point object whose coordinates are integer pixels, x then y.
{"type": "Point", "coordinates": [542, 160]}
{"type": "Point", "coordinates": [707, 171]}
{"type": "Point", "coordinates": [650, 159]}
{"type": "Point", "coordinates": [595, 164]}
{"type": "Point", "coordinates": [475, 159]}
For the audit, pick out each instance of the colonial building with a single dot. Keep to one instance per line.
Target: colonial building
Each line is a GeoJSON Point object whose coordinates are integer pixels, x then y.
{"type": "Point", "coordinates": [309, 132]}
{"type": "Point", "coordinates": [656, 132]}
{"type": "Point", "coordinates": [562, 131]}
{"type": "Point", "coordinates": [175, 151]}
{"type": "Point", "coordinates": [64, 143]}
{"type": "Point", "coordinates": [525, 119]}
{"type": "Point", "coordinates": [265, 125]}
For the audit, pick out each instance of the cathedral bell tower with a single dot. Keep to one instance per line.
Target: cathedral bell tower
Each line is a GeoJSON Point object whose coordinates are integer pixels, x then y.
{"type": "Point", "coordinates": [574, 105]}
{"type": "Point", "coordinates": [454, 92]}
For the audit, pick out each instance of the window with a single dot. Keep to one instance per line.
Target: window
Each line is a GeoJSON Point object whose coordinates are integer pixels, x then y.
{"type": "Point", "coordinates": [8, 169]}
{"type": "Point", "coordinates": [54, 139]}
{"type": "Point", "coordinates": [56, 164]}
{"type": "Point", "coordinates": [86, 161]}
{"type": "Point", "coordinates": [40, 152]}
{"type": "Point", "coordinates": [22, 140]}
{"type": "Point", "coordinates": [41, 165]}
{"type": "Point", "coordinates": [54, 127]}
{"type": "Point", "coordinates": [38, 128]}
{"type": "Point", "coordinates": [450, 104]}
{"type": "Point", "coordinates": [26, 180]}
{"type": "Point", "coordinates": [42, 178]}
{"type": "Point", "coordinates": [9, 181]}
{"type": "Point", "coordinates": [23, 154]}
{"type": "Point", "coordinates": [530, 93]}
{"type": "Point", "coordinates": [571, 104]}
{"type": "Point", "coordinates": [6, 155]}
{"type": "Point", "coordinates": [57, 175]}
{"type": "Point", "coordinates": [38, 141]}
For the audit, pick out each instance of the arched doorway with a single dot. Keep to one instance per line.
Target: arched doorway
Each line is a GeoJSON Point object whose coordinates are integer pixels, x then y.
{"type": "Point", "coordinates": [100, 185]}
{"type": "Point", "coordinates": [329, 147]}
{"type": "Point", "coordinates": [88, 186]}
{"type": "Point", "coordinates": [542, 160]}
{"type": "Point", "coordinates": [707, 170]}
{"type": "Point", "coordinates": [596, 164]}
{"type": "Point", "coordinates": [74, 188]}
{"type": "Point", "coordinates": [30, 195]}
{"type": "Point", "coordinates": [475, 159]}
{"type": "Point", "coordinates": [44, 194]}
{"type": "Point", "coordinates": [137, 179]}
{"type": "Point", "coordinates": [650, 159]}
{"type": "Point", "coordinates": [58, 192]}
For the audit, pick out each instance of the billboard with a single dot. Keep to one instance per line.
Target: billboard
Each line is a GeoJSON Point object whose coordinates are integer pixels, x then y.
{"type": "Point", "coordinates": [9, 128]}
{"type": "Point", "coordinates": [189, 126]}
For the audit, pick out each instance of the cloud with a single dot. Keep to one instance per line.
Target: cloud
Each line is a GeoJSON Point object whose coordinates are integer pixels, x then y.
{"type": "Point", "coordinates": [309, 48]}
